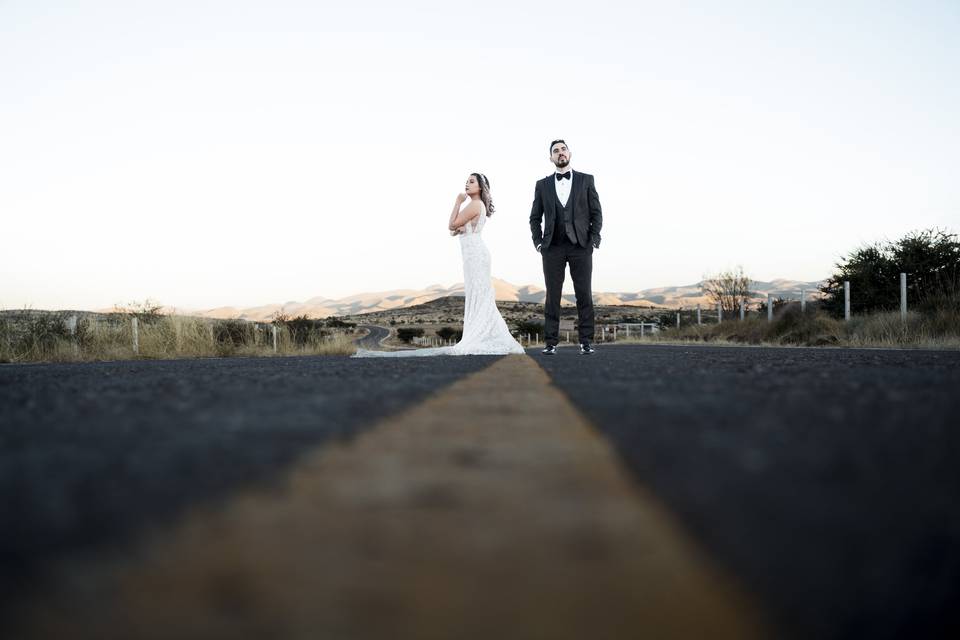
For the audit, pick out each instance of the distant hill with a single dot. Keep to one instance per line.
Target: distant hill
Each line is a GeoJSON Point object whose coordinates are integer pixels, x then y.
{"type": "Point", "coordinates": [686, 296]}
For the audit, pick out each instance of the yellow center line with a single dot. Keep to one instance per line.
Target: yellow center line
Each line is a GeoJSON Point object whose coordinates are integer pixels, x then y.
{"type": "Point", "coordinates": [491, 510]}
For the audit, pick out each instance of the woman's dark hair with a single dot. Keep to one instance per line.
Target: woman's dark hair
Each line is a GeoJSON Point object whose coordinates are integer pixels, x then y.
{"type": "Point", "coordinates": [485, 192]}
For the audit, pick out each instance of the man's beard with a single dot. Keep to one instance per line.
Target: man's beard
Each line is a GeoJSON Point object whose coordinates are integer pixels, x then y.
{"type": "Point", "coordinates": [560, 164]}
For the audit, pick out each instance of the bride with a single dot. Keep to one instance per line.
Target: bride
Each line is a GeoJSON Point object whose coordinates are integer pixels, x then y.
{"type": "Point", "coordinates": [484, 331]}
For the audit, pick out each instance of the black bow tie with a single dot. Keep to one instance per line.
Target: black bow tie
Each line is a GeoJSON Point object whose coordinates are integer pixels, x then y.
{"type": "Point", "coordinates": [561, 176]}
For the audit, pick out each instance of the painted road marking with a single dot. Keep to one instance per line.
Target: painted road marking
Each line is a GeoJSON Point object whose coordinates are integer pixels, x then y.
{"type": "Point", "coordinates": [491, 510]}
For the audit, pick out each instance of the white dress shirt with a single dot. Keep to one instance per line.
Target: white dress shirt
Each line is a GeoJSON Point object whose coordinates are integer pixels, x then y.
{"type": "Point", "coordinates": [563, 186]}
{"type": "Point", "coordinates": [563, 189]}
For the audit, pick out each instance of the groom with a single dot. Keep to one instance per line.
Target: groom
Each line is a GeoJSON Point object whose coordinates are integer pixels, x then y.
{"type": "Point", "coordinates": [569, 207]}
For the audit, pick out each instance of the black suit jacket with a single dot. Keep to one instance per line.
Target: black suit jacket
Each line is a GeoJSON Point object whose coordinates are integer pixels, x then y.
{"type": "Point", "coordinates": [587, 216]}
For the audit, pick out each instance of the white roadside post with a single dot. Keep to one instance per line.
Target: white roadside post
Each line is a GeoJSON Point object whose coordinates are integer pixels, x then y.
{"type": "Point", "coordinates": [274, 338]}
{"type": "Point", "coordinates": [568, 336]}
{"type": "Point", "coordinates": [803, 300]}
{"type": "Point", "coordinates": [641, 329]}
{"type": "Point", "coordinates": [698, 314]}
{"type": "Point", "coordinates": [678, 319]}
{"type": "Point", "coordinates": [769, 307]}
{"type": "Point", "coordinates": [719, 313]}
{"type": "Point", "coordinates": [903, 297]}
{"type": "Point", "coordinates": [742, 311]}
{"type": "Point", "coordinates": [846, 300]}
{"type": "Point", "coordinates": [136, 336]}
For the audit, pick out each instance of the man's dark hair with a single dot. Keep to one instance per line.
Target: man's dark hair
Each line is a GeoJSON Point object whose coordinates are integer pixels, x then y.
{"type": "Point", "coordinates": [550, 150]}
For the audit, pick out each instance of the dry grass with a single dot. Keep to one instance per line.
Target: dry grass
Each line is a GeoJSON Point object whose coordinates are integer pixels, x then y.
{"type": "Point", "coordinates": [936, 330]}
{"type": "Point", "coordinates": [45, 337]}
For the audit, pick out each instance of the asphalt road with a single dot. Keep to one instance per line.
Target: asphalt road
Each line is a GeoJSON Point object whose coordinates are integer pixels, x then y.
{"type": "Point", "coordinates": [93, 454]}
{"type": "Point", "coordinates": [827, 479]}
{"type": "Point", "coordinates": [372, 340]}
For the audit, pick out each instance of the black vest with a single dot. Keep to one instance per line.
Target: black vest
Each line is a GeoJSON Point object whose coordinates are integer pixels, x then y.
{"type": "Point", "coordinates": [563, 230]}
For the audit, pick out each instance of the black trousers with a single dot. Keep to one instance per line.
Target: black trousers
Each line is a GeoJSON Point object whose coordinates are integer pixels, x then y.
{"type": "Point", "coordinates": [555, 259]}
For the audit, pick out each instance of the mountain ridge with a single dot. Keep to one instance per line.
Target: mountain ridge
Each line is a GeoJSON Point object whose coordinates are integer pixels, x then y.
{"type": "Point", "coordinates": [670, 297]}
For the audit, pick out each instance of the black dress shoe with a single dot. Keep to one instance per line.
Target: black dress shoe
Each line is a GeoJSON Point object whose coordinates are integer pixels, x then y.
{"type": "Point", "coordinates": [586, 349]}
{"type": "Point", "coordinates": [550, 350]}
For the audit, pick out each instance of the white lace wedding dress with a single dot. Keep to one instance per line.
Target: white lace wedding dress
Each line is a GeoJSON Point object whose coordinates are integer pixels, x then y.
{"type": "Point", "coordinates": [484, 331]}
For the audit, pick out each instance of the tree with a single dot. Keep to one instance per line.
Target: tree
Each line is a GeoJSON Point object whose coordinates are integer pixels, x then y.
{"type": "Point", "coordinates": [930, 258]}
{"type": "Point", "coordinates": [872, 277]}
{"type": "Point", "coordinates": [728, 289]}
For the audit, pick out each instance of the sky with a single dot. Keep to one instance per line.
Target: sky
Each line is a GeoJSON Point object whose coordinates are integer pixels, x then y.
{"type": "Point", "coordinates": [211, 153]}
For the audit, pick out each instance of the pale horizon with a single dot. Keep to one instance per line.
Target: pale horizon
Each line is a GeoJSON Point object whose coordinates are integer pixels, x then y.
{"type": "Point", "coordinates": [229, 154]}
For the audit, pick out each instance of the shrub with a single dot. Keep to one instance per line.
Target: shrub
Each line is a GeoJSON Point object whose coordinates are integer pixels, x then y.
{"type": "Point", "coordinates": [42, 332]}
{"type": "Point", "coordinates": [446, 333]}
{"type": "Point", "coordinates": [336, 323]}
{"type": "Point", "coordinates": [407, 334]}
{"type": "Point", "coordinates": [232, 333]}
{"type": "Point", "coordinates": [146, 312]}
{"type": "Point", "coordinates": [663, 320]}
{"type": "Point", "coordinates": [302, 329]}
{"type": "Point", "coordinates": [531, 327]}
{"type": "Point", "coordinates": [778, 305]}
{"type": "Point", "coordinates": [804, 328]}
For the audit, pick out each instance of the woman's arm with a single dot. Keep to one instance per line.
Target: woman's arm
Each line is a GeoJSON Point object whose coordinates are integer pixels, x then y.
{"type": "Point", "coordinates": [460, 218]}
{"type": "Point", "coordinates": [456, 210]}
